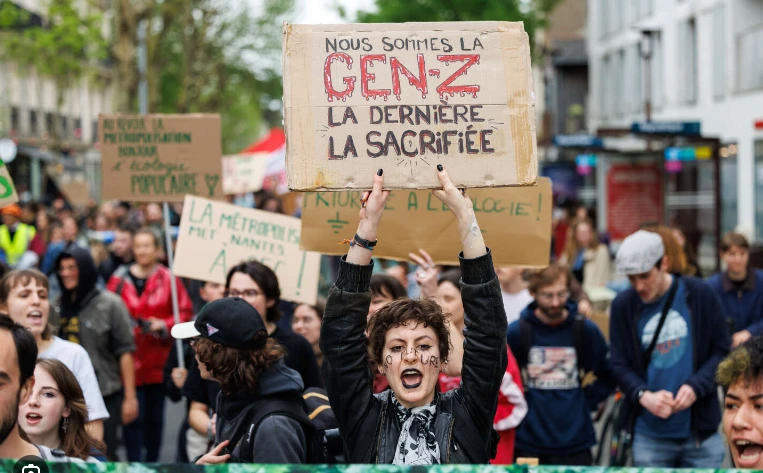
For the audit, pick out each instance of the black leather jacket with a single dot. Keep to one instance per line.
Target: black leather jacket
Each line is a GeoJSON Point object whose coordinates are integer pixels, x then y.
{"type": "Point", "coordinates": [464, 416]}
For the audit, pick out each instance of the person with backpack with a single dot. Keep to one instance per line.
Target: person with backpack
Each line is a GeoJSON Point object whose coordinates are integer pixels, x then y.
{"type": "Point", "coordinates": [409, 342]}
{"type": "Point", "coordinates": [667, 333]}
{"type": "Point", "coordinates": [554, 345]}
{"type": "Point", "coordinates": [260, 410]}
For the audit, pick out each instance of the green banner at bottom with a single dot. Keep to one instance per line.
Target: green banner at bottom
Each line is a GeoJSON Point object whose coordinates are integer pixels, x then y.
{"type": "Point", "coordinates": [10, 466]}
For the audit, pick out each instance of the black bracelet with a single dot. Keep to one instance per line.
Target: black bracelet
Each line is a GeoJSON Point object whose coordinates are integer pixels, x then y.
{"type": "Point", "coordinates": [363, 243]}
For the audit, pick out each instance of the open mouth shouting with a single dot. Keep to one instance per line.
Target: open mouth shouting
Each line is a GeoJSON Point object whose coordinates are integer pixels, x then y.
{"type": "Point", "coordinates": [35, 317]}
{"type": "Point", "coordinates": [412, 378]}
{"type": "Point", "coordinates": [748, 453]}
{"type": "Point", "coordinates": [33, 418]}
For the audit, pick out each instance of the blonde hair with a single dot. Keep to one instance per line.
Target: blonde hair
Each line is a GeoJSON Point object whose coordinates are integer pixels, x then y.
{"type": "Point", "coordinates": [571, 248]}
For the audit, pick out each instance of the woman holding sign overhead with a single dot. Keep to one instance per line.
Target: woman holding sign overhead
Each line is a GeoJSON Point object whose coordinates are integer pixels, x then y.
{"type": "Point", "coordinates": [144, 287]}
{"type": "Point", "coordinates": [409, 343]}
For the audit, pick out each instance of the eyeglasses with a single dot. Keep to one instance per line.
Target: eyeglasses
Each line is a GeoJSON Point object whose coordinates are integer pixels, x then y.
{"type": "Point", "coordinates": [549, 296]}
{"type": "Point", "coordinates": [248, 294]}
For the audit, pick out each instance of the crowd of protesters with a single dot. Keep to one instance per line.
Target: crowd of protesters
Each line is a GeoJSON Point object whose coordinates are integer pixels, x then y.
{"type": "Point", "coordinates": [399, 351]}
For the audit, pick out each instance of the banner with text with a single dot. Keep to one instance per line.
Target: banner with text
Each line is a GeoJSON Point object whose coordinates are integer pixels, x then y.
{"type": "Point", "coordinates": [160, 158]}
{"type": "Point", "coordinates": [8, 193]}
{"type": "Point", "coordinates": [515, 221]}
{"type": "Point", "coordinates": [406, 97]}
{"type": "Point", "coordinates": [244, 172]}
{"type": "Point", "coordinates": [214, 237]}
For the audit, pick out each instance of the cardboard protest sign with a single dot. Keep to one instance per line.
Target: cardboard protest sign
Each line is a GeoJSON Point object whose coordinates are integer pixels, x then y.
{"type": "Point", "coordinates": [406, 97]}
{"type": "Point", "coordinates": [213, 237]}
{"type": "Point", "coordinates": [515, 222]}
{"type": "Point", "coordinates": [244, 172]}
{"type": "Point", "coordinates": [8, 194]}
{"type": "Point", "coordinates": [160, 158]}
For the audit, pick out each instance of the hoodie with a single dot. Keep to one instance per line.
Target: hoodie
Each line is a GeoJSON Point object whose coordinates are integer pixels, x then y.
{"type": "Point", "coordinates": [278, 439]}
{"type": "Point", "coordinates": [558, 419]}
{"type": "Point", "coordinates": [72, 301]}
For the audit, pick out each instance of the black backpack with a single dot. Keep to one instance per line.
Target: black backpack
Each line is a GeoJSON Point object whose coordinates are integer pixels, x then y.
{"type": "Point", "coordinates": [578, 340]}
{"type": "Point", "coordinates": [311, 410]}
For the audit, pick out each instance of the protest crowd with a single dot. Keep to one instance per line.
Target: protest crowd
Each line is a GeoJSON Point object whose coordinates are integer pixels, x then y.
{"type": "Point", "coordinates": [91, 289]}
{"type": "Point", "coordinates": [304, 327]}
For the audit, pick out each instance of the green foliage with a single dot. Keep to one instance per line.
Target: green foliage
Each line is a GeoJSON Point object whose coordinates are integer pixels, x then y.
{"type": "Point", "coordinates": [65, 48]}
{"type": "Point", "coordinates": [532, 12]}
{"type": "Point", "coordinates": [215, 56]}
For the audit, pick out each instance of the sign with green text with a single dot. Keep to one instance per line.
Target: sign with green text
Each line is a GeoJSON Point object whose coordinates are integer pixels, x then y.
{"type": "Point", "coordinates": [161, 158]}
{"type": "Point", "coordinates": [515, 221]}
{"type": "Point", "coordinates": [8, 194]}
{"type": "Point", "coordinates": [215, 236]}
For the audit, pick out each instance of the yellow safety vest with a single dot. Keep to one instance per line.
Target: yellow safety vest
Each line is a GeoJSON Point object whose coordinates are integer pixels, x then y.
{"type": "Point", "coordinates": [14, 249]}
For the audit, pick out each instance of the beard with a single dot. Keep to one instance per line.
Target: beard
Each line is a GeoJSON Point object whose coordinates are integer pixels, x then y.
{"type": "Point", "coordinates": [9, 420]}
{"type": "Point", "coordinates": [552, 313]}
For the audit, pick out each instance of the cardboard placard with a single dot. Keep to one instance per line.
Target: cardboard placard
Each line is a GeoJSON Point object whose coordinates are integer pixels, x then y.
{"type": "Point", "coordinates": [515, 221]}
{"type": "Point", "coordinates": [8, 193]}
{"type": "Point", "coordinates": [160, 158]}
{"type": "Point", "coordinates": [214, 237]}
{"type": "Point", "coordinates": [406, 97]}
{"type": "Point", "coordinates": [244, 172]}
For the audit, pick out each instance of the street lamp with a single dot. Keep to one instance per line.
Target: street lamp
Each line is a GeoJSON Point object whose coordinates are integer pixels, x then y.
{"type": "Point", "coordinates": [646, 50]}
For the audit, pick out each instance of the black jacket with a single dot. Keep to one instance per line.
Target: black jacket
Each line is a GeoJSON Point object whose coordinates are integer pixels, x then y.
{"type": "Point", "coordinates": [464, 416]}
{"type": "Point", "coordinates": [711, 343]}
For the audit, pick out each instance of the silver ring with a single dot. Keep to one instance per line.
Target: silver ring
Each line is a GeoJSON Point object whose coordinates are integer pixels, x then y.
{"type": "Point", "coordinates": [421, 274]}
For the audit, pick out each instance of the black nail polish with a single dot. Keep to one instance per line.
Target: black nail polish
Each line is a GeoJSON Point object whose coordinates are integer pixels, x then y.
{"type": "Point", "coordinates": [439, 167]}
{"type": "Point", "coordinates": [380, 172]}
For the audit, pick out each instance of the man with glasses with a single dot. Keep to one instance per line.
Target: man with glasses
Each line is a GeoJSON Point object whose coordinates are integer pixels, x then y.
{"type": "Point", "coordinates": [98, 320]}
{"type": "Point", "coordinates": [258, 285]}
{"type": "Point", "coordinates": [671, 391]}
{"type": "Point", "coordinates": [554, 345]}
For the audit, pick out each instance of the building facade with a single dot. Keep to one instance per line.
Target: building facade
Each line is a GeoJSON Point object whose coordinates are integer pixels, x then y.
{"type": "Point", "coordinates": [57, 149]}
{"type": "Point", "coordinates": [693, 61]}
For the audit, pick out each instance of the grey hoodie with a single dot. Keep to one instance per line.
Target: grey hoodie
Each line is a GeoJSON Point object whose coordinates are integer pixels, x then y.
{"type": "Point", "coordinates": [278, 439]}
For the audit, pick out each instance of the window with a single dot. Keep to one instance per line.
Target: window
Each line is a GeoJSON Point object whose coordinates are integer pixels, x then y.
{"type": "Point", "coordinates": [64, 126]}
{"type": "Point", "coordinates": [618, 79]}
{"type": "Point", "coordinates": [49, 122]}
{"type": "Point", "coordinates": [750, 66]}
{"type": "Point", "coordinates": [656, 72]}
{"type": "Point", "coordinates": [604, 17]}
{"type": "Point", "coordinates": [605, 85]}
{"type": "Point", "coordinates": [635, 73]}
{"type": "Point", "coordinates": [15, 119]}
{"type": "Point", "coordinates": [77, 128]}
{"type": "Point", "coordinates": [719, 52]}
{"type": "Point", "coordinates": [687, 57]}
{"type": "Point", "coordinates": [34, 125]}
{"type": "Point", "coordinates": [94, 136]}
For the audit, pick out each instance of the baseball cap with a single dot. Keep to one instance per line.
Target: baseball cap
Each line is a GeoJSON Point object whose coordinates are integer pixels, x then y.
{"type": "Point", "coordinates": [230, 321]}
{"type": "Point", "coordinates": [639, 252]}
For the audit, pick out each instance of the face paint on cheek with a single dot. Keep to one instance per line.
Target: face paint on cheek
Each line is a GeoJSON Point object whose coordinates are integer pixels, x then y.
{"type": "Point", "coordinates": [387, 362]}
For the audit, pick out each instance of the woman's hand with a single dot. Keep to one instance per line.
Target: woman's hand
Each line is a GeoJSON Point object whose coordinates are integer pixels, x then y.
{"type": "Point", "coordinates": [214, 457]}
{"type": "Point", "coordinates": [461, 205]}
{"type": "Point", "coordinates": [426, 275]}
{"type": "Point", "coordinates": [370, 216]}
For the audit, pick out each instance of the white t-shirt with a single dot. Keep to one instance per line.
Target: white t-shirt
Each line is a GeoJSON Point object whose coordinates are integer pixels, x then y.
{"type": "Point", "coordinates": [515, 303]}
{"type": "Point", "coordinates": [78, 361]}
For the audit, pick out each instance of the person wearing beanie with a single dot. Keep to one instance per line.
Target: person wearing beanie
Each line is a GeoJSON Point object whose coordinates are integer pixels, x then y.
{"type": "Point", "coordinates": [667, 335]}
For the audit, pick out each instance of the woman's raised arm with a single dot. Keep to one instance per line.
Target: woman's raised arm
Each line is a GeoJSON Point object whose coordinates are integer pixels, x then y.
{"type": "Point", "coordinates": [460, 204]}
{"type": "Point", "coordinates": [370, 216]}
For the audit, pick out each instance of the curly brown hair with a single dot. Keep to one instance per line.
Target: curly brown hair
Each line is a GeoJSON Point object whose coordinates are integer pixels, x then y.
{"type": "Point", "coordinates": [402, 312]}
{"type": "Point", "coordinates": [236, 369]}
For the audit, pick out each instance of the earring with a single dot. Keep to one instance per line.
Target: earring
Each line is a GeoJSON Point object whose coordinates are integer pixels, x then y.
{"type": "Point", "coordinates": [65, 426]}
